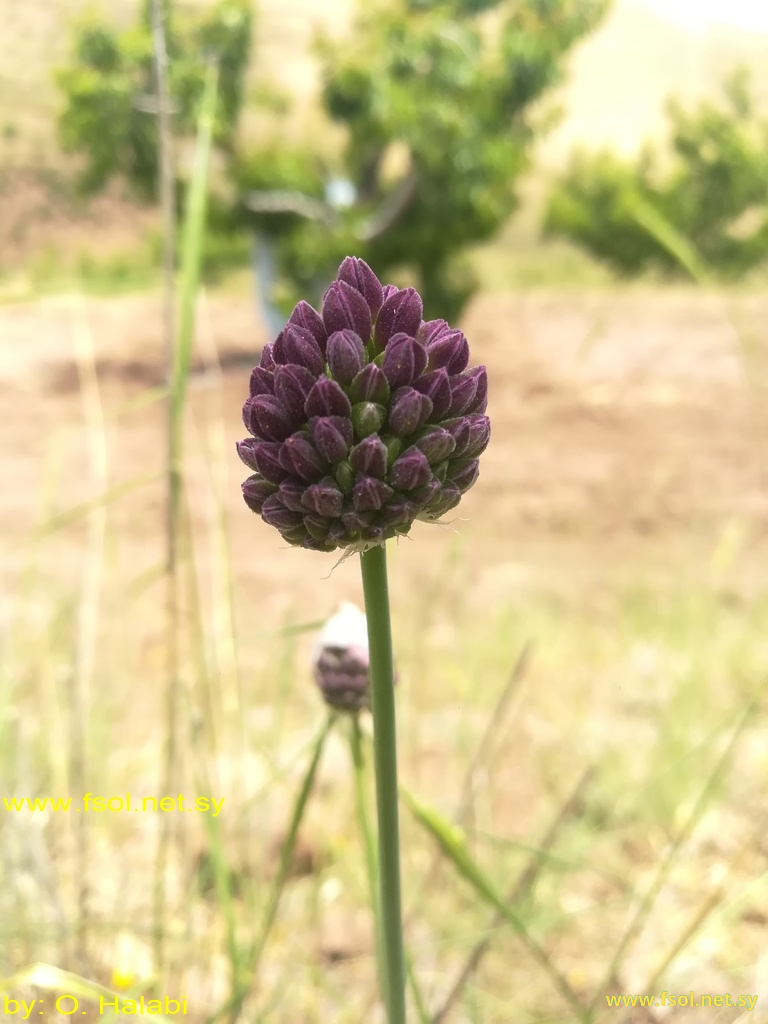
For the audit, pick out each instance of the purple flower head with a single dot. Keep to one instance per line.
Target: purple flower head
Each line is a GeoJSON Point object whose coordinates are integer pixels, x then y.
{"type": "Point", "coordinates": [340, 660]}
{"type": "Point", "coordinates": [363, 418]}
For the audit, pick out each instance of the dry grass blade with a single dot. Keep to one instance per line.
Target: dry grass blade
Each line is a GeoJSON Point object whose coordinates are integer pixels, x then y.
{"type": "Point", "coordinates": [519, 891]}
{"type": "Point", "coordinates": [646, 903]}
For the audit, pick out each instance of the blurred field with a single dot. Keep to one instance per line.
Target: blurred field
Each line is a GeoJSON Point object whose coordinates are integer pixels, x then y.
{"type": "Point", "coordinates": [613, 550]}
{"type": "Point", "coordinates": [618, 527]}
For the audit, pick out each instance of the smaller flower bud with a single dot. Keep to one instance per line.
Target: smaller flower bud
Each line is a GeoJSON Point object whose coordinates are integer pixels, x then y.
{"type": "Point", "coordinates": [422, 496]}
{"type": "Point", "coordinates": [370, 494]}
{"type": "Point", "coordinates": [463, 391]}
{"type": "Point", "coordinates": [450, 350]}
{"type": "Point", "coordinates": [268, 418]}
{"type": "Point", "coordinates": [408, 411]}
{"type": "Point", "coordinates": [404, 360]}
{"type": "Point", "coordinates": [356, 273]}
{"type": "Point", "coordinates": [332, 436]}
{"type": "Point", "coordinates": [324, 498]}
{"type": "Point", "coordinates": [326, 399]}
{"type": "Point", "coordinates": [436, 385]}
{"type": "Point", "coordinates": [341, 661]}
{"type": "Point", "coordinates": [292, 385]}
{"type": "Point", "coordinates": [464, 473]}
{"type": "Point", "coordinates": [431, 330]}
{"type": "Point", "coordinates": [459, 429]}
{"type": "Point", "coordinates": [317, 526]}
{"type": "Point", "coordinates": [345, 476]}
{"type": "Point", "coordinates": [369, 457]}
{"type": "Point", "coordinates": [318, 545]}
{"type": "Point", "coordinates": [344, 308]}
{"type": "Point", "coordinates": [274, 513]}
{"type": "Point", "coordinates": [480, 402]}
{"type": "Point", "coordinates": [479, 436]}
{"type": "Point", "coordinates": [266, 359]}
{"type": "Point", "coordinates": [394, 447]}
{"type": "Point", "coordinates": [300, 457]}
{"type": "Point", "coordinates": [357, 523]}
{"type": "Point", "coordinates": [398, 511]}
{"type": "Point", "coordinates": [266, 457]}
{"type": "Point", "coordinates": [262, 382]}
{"type": "Point", "coordinates": [436, 443]}
{"type": "Point", "coordinates": [278, 351]}
{"type": "Point", "coordinates": [296, 535]}
{"type": "Point", "coordinates": [367, 418]}
{"type": "Point", "coordinates": [309, 319]}
{"type": "Point", "coordinates": [370, 385]}
{"type": "Point", "coordinates": [401, 312]}
{"type": "Point", "coordinates": [440, 471]}
{"type": "Point", "coordinates": [410, 470]}
{"type": "Point", "coordinates": [448, 498]}
{"type": "Point", "coordinates": [256, 490]}
{"type": "Point", "coordinates": [389, 291]}
{"type": "Point", "coordinates": [345, 355]}
{"type": "Point", "coordinates": [290, 492]}
{"type": "Point", "coordinates": [300, 347]}
{"type": "Point", "coordinates": [245, 451]}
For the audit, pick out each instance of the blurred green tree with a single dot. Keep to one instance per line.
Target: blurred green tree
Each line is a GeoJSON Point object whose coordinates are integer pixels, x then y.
{"type": "Point", "coordinates": [707, 197]}
{"type": "Point", "coordinates": [108, 116]}
{"type": "Point", "coordinates": [436, 98]}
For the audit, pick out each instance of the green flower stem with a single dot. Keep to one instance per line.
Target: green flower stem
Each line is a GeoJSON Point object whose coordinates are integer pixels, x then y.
{"type": "Point", "coordinates": [369, 842]}
{"type": "Point", "coordinates": [373, 564]}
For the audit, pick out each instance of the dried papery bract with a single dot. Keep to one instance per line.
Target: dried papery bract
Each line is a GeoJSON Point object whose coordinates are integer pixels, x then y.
{"type": "Point", "coordinates": [368, 409]}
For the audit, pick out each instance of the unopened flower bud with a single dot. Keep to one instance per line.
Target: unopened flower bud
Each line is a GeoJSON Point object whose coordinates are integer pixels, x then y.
{"type": "Point", "coordinates": [341, 661]}
{"type": "Point", "coordinates": [370, 494]}
{"type": "Point", "coordinates": [324, 498]}
{"type": "Point", "coordinates": [367, 418]}
{"type": "Point", "coordinates": [408, 410]}
{"type": "Point", "coordinates": [463, 391]}
{"type": "Point", "coordinates": [358, 275]}
{"type": "Point", "coordinates": [300, 457]}
{"type": "Point", "coordinates": [450, 351]}
{"type": "Point", "coordinates": [256, 490]}
{"type": "Point", "coordinates": [262, 382]}
{"type": "Point", "coordinates": [292, 385]}
{"type": "Point", "coordinates": [332, 436]}
{"type": "Point", "coordinates": [290, 492]}
{"type": "Point", "coordinates": [266, 458]}
{"type": "Point", "coordinates": [436, 385]}
{"type": "Point", "coordinates": [404, 360]}
{"type": "Point", "coordinates": [464, 473]}
{"type": "Point", "coordinates": [344, 308]}
{"type": "Point", "coordinates": [310, 320]}
{"type": "Point", "coordinates": [327, 399]}
{"type": "Point", "coordinates": [436, 443]}
{"type": "Point", "coordinates": [411, 470]}
{"type": "Point", "coordinates": [300, 347]}
{"type": "Point", "coordinates": [345, 355]}
{"type": "Point", "coordinates": [369, 457]}
{"type": "Point", "coordinates": [401, 312]}
{"type": "Point", "coordinates": [370, 385]}
{"type": "Point", "coordinates": [276, 514]}
{"type": "Point", "coordinates": [266, 417]}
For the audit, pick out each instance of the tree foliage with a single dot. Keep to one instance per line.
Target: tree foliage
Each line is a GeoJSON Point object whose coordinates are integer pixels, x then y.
{"type": "Point", "coordinates": [109, 90]}
{"type": "Point", "coordinates": [436, 99]}
{"type": "Point", "coordinates": [711, 190]}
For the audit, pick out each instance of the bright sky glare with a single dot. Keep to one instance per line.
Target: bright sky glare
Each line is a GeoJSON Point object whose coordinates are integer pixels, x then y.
{"type": "Point", "coordinates": [694, 15]}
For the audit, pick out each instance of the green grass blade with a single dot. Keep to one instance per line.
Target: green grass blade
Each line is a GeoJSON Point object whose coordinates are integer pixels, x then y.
{"type": "Point", "coordinates": [451, 841]}
{"type": "Point", "coordinates": [667, 235]}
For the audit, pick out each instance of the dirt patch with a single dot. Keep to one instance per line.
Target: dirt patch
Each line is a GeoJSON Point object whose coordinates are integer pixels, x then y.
{"type": "Point", "coordinates": [625, 426]}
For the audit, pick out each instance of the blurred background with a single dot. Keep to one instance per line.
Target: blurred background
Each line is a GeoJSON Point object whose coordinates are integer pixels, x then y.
{"type": "Point", "coordinates": [582, 186]}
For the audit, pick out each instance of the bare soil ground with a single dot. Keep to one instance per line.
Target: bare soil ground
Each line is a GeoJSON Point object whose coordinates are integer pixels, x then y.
{"type": "Point", "coordinates": [626, 426]}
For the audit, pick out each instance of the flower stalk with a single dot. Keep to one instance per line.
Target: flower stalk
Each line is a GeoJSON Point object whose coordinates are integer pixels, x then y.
{"type": "Point", "coordinates": [373, 565]}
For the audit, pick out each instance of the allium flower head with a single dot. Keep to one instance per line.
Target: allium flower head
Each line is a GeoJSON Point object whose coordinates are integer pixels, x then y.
{"type": "Point", "coordinates": [340, 660]}
{"type": "Point", "coordinates": [363, 418]}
